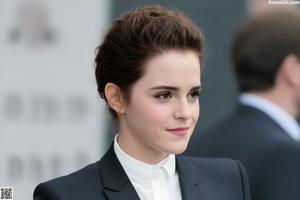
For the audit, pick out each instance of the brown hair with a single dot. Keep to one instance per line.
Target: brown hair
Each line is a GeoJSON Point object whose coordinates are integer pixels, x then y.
{"type": "Point", "coordinates": [260, 46]}
{"type": "Point", "coordinates": [137, 36]}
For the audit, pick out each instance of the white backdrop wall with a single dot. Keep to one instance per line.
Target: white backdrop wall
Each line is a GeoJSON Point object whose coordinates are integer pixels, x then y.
{"type": "Point", "coordinates": [51, 118]}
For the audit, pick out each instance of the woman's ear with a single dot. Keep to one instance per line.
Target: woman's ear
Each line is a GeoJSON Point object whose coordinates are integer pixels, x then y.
{"type": "Point", "coordinates": [114, 97]}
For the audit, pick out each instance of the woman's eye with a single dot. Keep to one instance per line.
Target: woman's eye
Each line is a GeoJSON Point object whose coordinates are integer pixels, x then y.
{"type": "Point", "coordinates": [165, 95]}
{"type": "Point", "coordinates": [195, 94]}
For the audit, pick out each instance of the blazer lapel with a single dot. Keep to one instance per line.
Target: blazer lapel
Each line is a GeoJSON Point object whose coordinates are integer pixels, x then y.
{"type": "Point", "coordinates": [193, 185]}
{"type": "Point", "coordinates": [116, 183]}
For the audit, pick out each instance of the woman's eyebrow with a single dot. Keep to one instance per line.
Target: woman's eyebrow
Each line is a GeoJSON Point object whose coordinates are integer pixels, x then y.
{"type": "Point", "coordinates": [199, 87]}
{"type": "Point", "coordinates": [166, 87]}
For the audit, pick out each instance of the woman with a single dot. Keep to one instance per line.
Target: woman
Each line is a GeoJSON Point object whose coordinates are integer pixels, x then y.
{"type": "Point", "coordinates": [148, 71]}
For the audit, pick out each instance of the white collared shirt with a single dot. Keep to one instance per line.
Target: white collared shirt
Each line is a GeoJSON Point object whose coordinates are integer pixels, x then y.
{"type": "Point", "coordinates": [280, 116]}
{"type": "Point", "coordinates": [151, 182]}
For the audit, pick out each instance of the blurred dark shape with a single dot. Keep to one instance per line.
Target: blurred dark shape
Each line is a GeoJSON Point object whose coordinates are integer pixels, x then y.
{"type": "Point", "coordinates": [15, 169]}
{"type": "Point", "coordinates": [13, 107]}
{"type": "Point", "coordinates": [32, 25]}
{"type": "Point", "coordinates": [45, 108]}
{"type": "Point", "coordinates": [76, 108]}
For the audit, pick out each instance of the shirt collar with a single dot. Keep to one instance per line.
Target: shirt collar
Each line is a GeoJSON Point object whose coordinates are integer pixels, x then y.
{"type": "Point", "coordinates": [141, 172]}
{"type": "Point", "coordinates": [279, 115]}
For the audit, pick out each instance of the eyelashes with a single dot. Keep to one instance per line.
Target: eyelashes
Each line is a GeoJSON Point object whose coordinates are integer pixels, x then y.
{"type": "Point", "coordinates": [163, 95]}
{"type": "Point", "coordinates": [168, 95]}
{"type": "Point", "coordinates": [195, 94]}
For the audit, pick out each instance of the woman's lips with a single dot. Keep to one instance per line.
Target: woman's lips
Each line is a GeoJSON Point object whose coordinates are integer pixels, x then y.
{"type": "Point", "coordinates": [179, 131]}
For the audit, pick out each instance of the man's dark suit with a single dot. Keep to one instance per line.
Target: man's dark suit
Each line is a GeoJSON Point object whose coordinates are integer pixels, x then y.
{"type": "Point", "coordinates": [204, 179]}
{"type": "Point", "coordinates": [270, 156]}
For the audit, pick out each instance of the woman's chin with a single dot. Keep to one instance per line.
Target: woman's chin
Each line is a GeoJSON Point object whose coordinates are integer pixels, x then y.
{"type": "Point", "coordinates": [178, 149]}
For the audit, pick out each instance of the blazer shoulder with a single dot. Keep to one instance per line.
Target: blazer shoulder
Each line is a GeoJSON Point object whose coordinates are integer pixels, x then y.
{"type": "Point", "coordinates": [73, 186]}
{"type": "Point", "coordinates": [213, 164]}
{"type": "Point", "coordinates": [223, 171]}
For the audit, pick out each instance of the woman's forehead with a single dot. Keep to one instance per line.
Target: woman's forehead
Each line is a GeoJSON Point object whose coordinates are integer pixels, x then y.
{"type": "Point", "coordinates": [173, 67]}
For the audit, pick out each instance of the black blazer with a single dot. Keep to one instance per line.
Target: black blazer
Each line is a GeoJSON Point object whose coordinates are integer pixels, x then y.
{"type": "Point", "coordinates": [270, 156]}
{"type": "Point", "coordinates": [204, 179]}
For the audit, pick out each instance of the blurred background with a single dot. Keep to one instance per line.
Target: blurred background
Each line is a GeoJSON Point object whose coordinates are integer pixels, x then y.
{"type": "Point", "coordinates": [52, 121]}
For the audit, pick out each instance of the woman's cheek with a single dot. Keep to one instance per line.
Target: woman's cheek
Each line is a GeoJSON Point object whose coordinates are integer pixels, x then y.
{"type": "Point", "coordinates": [157, 113]}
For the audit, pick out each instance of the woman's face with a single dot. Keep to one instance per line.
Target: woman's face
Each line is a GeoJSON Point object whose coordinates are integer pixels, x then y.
{"type": "Point", "coordinates": [164, 107]}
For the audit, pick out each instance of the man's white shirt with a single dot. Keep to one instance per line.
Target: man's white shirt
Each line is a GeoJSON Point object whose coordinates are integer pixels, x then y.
{"type": "Point", "coordinates": [279, 115]}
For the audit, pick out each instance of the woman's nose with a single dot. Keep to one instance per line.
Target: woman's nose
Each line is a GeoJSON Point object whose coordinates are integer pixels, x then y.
{"type": "Point", "coordinates": [183, 110]}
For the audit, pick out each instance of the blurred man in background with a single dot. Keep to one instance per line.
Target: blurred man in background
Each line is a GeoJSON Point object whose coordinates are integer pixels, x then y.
{"type": "Point", "coordinates": [263, 132]}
